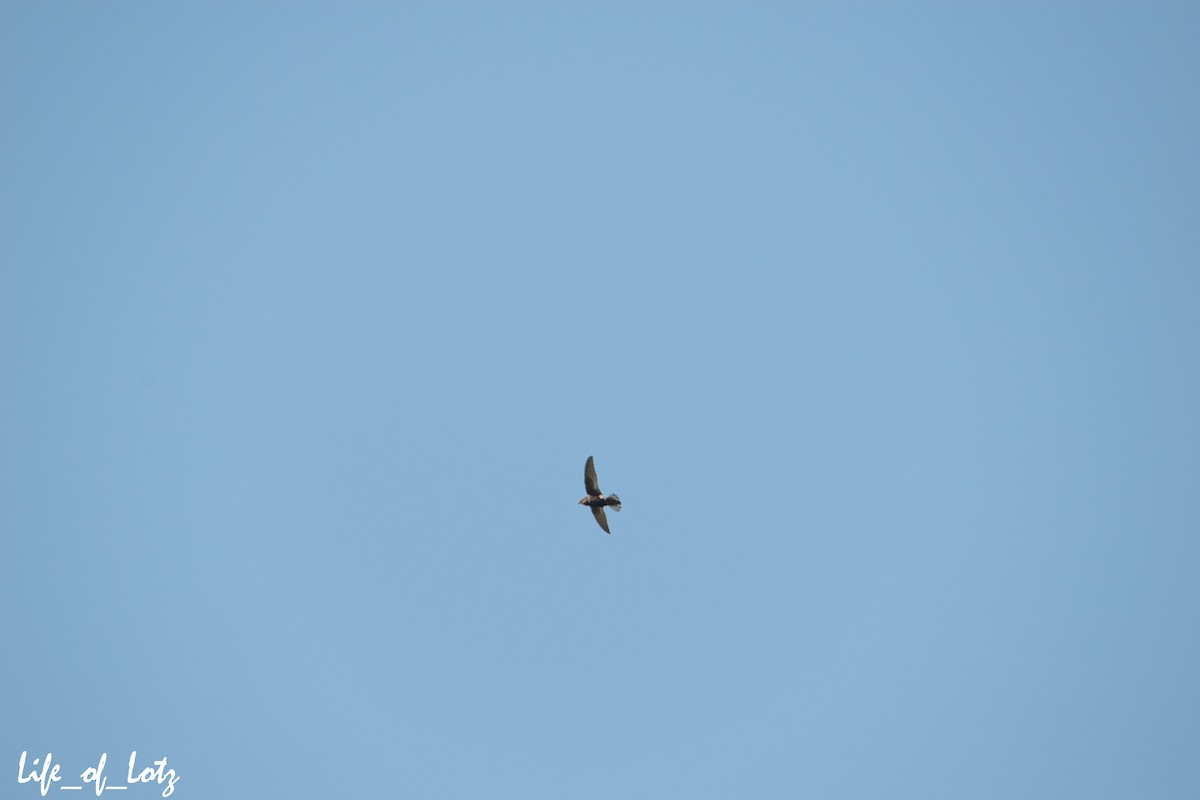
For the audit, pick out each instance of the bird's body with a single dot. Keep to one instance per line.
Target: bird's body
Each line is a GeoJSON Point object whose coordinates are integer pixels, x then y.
{"type": "Point", "coordinates": [595, 500]}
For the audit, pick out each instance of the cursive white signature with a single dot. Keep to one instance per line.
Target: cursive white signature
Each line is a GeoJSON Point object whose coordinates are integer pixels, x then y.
{"type": "Point", "coordinates": [51, 774]}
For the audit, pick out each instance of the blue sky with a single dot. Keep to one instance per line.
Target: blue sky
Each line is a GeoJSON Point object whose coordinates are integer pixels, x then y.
{"type": "Point", "coordinates": [882, 321]}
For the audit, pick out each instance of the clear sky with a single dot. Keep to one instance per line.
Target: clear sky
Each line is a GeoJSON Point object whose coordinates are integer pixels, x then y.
{"type": "Point", "coordinates": [882, 319]}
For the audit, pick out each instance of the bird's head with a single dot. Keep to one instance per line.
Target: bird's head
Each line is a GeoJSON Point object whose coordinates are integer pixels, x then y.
{"type": "Point", "coordinates": [583, 502]}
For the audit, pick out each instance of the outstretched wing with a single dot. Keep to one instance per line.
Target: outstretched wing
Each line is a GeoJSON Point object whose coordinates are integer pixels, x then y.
{"type": "Point", "coordinates": [598, 513]}
{"type": "Point", "coordinates": [589, 481]}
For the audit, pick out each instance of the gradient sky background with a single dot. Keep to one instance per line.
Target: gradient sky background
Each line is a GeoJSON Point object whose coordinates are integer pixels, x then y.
{"type": "Point", "coordinates": [883, 322]}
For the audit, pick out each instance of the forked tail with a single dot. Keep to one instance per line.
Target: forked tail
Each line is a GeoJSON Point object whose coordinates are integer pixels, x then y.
{"type": "Point", "coordinates": [613, 502]}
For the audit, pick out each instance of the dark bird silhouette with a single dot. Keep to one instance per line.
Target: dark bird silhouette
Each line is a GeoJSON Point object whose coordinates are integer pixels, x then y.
{"type": "Point", "coordinates": [595, 500]}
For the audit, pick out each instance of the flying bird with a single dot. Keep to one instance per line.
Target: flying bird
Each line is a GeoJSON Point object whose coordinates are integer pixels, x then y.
{"type": "Point", "coordinates": [595, 500]}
